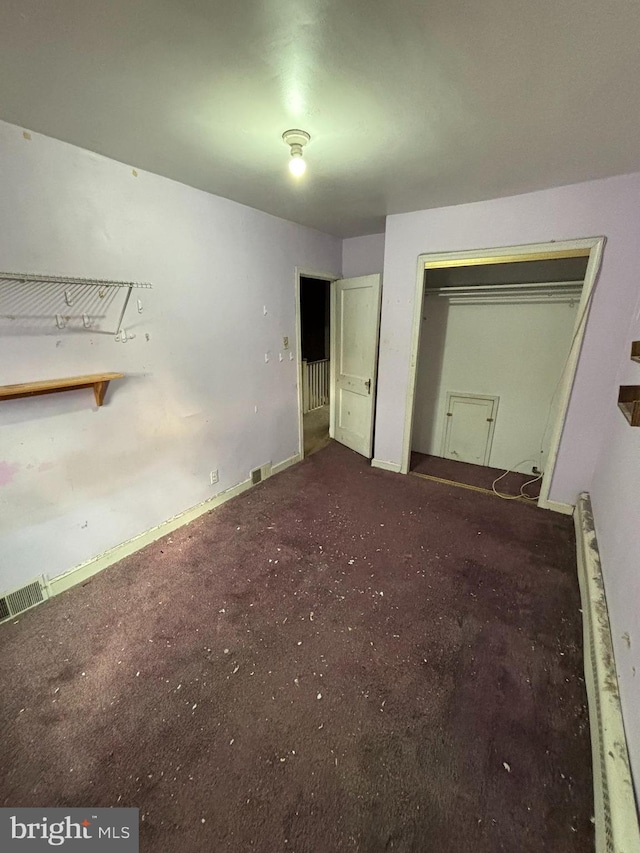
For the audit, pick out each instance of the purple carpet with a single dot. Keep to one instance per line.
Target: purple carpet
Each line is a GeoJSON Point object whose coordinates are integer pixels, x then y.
{"type": "Point", "coordinates": [473, 475]}
{"type": "Point", "coordinates": [340, 659]}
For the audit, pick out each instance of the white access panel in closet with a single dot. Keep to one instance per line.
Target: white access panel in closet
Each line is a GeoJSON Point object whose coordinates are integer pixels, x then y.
{"type": "Point", "coordinates": [470, 421]}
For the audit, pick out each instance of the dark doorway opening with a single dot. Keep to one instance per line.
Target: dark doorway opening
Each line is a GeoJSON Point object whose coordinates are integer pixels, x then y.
{"type": "Point", "coordinates": [315, 311]}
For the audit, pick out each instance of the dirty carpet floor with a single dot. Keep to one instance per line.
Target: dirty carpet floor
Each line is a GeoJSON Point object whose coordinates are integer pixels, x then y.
{"type": "Point", "coordinates": [482, 476]}
{"type": "Point", "coordinates": [340, 659]}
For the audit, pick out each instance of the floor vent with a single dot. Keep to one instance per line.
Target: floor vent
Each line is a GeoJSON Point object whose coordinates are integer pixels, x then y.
{"type": "Point", "coordinates": [617, 828]}
{"type": "Point", "coordinates": [261, 473]}
{"type": "Point", "coordinates": [22, 599]}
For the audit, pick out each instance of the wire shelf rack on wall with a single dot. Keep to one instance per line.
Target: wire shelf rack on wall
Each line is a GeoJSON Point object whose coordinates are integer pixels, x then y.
{"type": "Point", "coordinates": [66, 291]}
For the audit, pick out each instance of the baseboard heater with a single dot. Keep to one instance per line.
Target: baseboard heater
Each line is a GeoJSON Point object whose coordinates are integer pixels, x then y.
{"type": "Point", "coordinates": [614, 801]}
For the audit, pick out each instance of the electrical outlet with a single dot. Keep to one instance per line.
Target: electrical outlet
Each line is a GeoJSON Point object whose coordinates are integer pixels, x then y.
{"type": "Point", "coordinates": [285, 342]}
{"type": "Point", "coordinates": [213, 477]}
{"type": "Point", "coordinates": [536, 470]}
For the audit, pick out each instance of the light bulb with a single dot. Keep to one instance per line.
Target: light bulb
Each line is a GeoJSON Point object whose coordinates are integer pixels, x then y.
{"type": "Point", "coordinates": [296, 140]}
{"type": "Point", "coordinates": [297, 165]}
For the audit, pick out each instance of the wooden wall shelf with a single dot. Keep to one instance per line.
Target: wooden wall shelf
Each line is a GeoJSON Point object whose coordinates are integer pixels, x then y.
{"type": "Point", "coordinates": [635, 351]}
{"type": "Point", "coordinates": [629, 403]}
{"type": "Point", "coordinates": [97, 381]}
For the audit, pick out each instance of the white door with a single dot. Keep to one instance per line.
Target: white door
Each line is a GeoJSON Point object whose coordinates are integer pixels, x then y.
{"type": "Point", "coordinates": [468, 431]}
{"type": "Point", "coordinates": [356, 326]}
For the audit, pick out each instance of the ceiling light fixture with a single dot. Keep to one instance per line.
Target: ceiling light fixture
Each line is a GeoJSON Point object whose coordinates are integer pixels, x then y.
{"type": "Point", "coordinates": [296, 140]}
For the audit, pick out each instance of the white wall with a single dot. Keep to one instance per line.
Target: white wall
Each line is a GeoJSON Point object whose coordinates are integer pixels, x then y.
{"type": "Point", "coordinates": [76, 480]}
{"type": "Point", "coordinates": [513, 350]}
{"type": "Point", "coordinates": [362, 255]}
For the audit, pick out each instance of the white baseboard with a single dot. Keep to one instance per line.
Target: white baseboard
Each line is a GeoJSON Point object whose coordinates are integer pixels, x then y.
{"type": "Point", "coordinates": [556, 506]}
{"type": "Point", "coordinates": [118, 552]}
{"type": "Point", "coordinates": [615, 807]}
{"type": "Point", "coordinates": [386, 466]}
{"type": "Point", "coordinates": [287, 463]}
{"type": "Point", "coordinates": [91, 567]}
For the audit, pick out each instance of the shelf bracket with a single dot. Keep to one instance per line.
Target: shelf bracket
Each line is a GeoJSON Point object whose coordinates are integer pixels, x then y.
{"type": "Point", "coordinates": [124, 309]}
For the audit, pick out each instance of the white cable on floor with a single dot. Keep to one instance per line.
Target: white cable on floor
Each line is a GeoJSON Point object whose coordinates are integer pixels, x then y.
{"type": "Point", "coordinates": [528, 483]}
{"type": "Point", "coordinates": [521, 494]}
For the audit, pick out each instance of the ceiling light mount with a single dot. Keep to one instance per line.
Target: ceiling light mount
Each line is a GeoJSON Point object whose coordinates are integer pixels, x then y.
{"type": "Point", "coordinates": [296, 140]}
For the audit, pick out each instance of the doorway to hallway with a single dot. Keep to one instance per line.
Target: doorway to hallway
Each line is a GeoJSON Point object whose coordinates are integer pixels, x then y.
{"type": "Point", "coordinates": [315, 336]}
{"type": "Point", "coordinates": [337, 328]}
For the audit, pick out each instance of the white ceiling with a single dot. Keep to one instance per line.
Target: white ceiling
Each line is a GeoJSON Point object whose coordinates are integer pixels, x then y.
{"type": "Point", "coordinates": [409, 104]}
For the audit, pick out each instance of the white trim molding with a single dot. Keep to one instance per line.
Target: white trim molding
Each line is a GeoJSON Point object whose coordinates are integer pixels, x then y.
{"type": "Point", "coordinates": [287, 463]}
{"type": "Point", "coordinates": [330, 278]}
{"type": "Point", "coordinates": [615, 807]}
{"type": "Point", "coordinates": [556, 506]}
{"type": "Point", "coordinates": [387, 466]}
{"type": "Point", "coordinates": [590, 247]}
{"type": "Point", "coordinates": [91, 567]}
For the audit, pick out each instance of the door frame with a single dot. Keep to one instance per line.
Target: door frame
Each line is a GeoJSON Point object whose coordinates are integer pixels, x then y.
{"type": "Point", "coordinates": [591, 248]}
{"type": "Point", "coordinates": [330, 278]}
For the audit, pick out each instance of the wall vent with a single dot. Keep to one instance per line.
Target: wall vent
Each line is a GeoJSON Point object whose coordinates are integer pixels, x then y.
{"type": "Point", "coordinates": [261, 473]}
{"type": "Point", "coordinates": [13, 603]}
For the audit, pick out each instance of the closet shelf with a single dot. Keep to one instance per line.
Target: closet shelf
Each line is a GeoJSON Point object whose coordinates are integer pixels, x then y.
{"type": "Point", "coordinates": [39, 278]}
{"type": "Point", "coordinates": [68, 287]}
{"type": "Point", "coordinates": [629, 403]}
{"type": "Point", "coordinates": [97, 381]}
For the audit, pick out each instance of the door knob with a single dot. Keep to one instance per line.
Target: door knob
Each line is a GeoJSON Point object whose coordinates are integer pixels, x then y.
{"type": "Point", "coordinates": [367, 385]}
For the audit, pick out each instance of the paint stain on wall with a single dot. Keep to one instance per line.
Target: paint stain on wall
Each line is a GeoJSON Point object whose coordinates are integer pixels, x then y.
{"type": "Point", "coordinates": [8, 471]}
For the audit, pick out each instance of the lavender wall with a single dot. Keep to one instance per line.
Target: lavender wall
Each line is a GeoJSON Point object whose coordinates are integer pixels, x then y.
{"type": "Point", "coordinates": [76, 480]}
{"type": "Point", "coordinates": [608, 207]}
{"type": "Point", "coordinates": [615, 493]}
{"type": "Point", "coordinates": [362, 255]}
{"type": "Point", "coordinates": [599, 452]}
